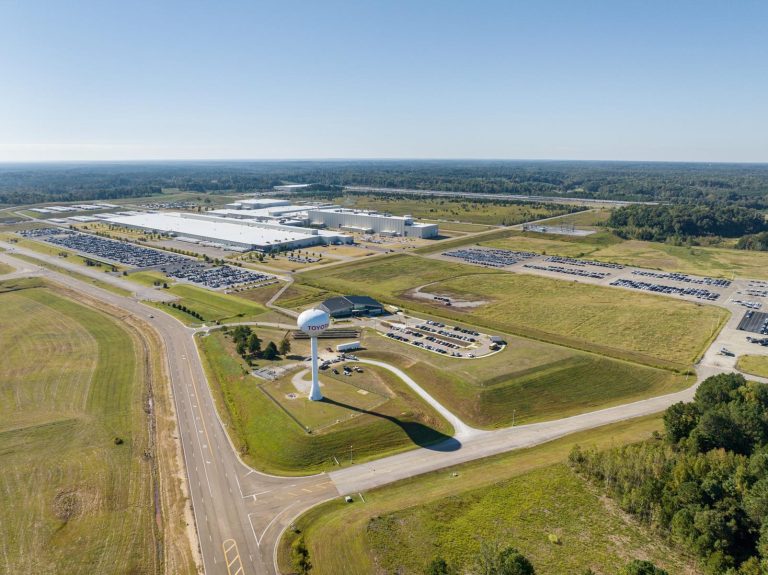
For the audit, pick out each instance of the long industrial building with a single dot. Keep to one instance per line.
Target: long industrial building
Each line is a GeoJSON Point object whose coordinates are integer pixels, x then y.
{"type": "Point", "coordinates": [235, 234]}
{"type": "Point", "coordinates": [370, 222]}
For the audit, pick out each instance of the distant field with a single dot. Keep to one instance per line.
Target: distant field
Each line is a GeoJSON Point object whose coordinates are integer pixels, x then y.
{"type": "Point", "coordinates": [520, 497]}
{"type": "Point", "coordinates": [464, 210]}
{"type": "Point", "coordinates": [447, 226]}
{"type": "Point", "coordinates": [212, 306]}
{"type": "Point", "coordinates": [754, 364]}
{"type": "Point", "coordinates": [529, 381]}
{"type": "Point", "coordinates": [298, 296]}
{"type": "Point", "coordinates": [604, 246]}
{"type": "Point", "coordinates": [649, 329]}
{"type": "Point", "coordinates": [260, 295]}
{"type": "Point", "coordinates": [270, 440]}
{"type": "Point", "coordinates": [585, 219]}
{"type": "Point", "coordinates": [5, 269]}
{"type": "Point", "coordinates": [71, 380]}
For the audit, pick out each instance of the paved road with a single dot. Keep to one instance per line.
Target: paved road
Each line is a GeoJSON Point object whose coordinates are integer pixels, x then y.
{"type": "Point", "coordinates": [240, 513]}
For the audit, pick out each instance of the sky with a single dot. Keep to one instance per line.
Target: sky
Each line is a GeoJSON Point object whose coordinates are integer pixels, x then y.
{"type": "Point", "coordinates": [573, 79]}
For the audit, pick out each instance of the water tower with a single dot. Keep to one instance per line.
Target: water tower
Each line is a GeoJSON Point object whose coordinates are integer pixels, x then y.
{"type": "Point", "coordinates": [313, 322]}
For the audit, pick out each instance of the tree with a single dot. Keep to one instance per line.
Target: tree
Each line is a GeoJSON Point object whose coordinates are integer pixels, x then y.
{"type": "Point", "coordinates": [285, 346]}
{"type": "Point", "coordinates": [680, 419]}
{"type": "Point", "coordinates": [638, 567]}
{"type": "Point", "coordinates": [439, 566]}
{"type": "Point", "coordinates": [512, 562]}
{"type": "Point", "coordinates": [254, 344]}
{"type": "Point", "coordinates": [300, 557]}
{"type": "Point", "coordinates": [270, 352]}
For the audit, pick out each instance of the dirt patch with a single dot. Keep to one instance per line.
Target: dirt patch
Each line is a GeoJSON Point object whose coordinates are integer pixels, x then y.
{"type": "Point", "coordinates": [72, 503]}
{"type": "Point", "coordinates": [433, 296]}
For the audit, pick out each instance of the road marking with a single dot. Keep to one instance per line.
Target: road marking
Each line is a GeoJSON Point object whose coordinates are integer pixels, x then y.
{"type": "Point", "coordinates": [307, 490]}
{"type": "Point", "coordinates": [275, 518]}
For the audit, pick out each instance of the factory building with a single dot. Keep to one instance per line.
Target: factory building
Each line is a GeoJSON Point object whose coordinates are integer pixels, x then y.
{"type": "Point", "coordinates": [239, 235]}
{"type": "Point", "coordinates": [370, 222]}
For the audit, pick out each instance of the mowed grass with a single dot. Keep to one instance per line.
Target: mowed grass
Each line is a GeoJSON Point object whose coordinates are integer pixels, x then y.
{"type": "Point", "coordinates": [527, 382]}
{"type": "Point", "coordinates": [517, 498]}
{"type": "Point", "coordinates": [73, 274]}
{"type": "Point", "coordinates": [604, 246]}
{"type": "Point", "coordinates": [71, 501]}
{"type": "Point", "coordinates": [464, 210]}
{"type": "Point", "coordinates": [270, 440]}
{"type": "Point", "coordinates": [753, 364]}
{"type": "Point", "coordinates": [639, 327]}
{"type": "Point", "coordinates": [212, 306]}
{"type": "Point", "coordinates": [5, 269]}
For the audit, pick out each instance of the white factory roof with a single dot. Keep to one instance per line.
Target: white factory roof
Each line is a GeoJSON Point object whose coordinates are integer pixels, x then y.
{"type": "Point", "coordinates": [263, 202]}
{"type": "Point", "coordinates": [210, 229]}
{"type": "Point", "coordinates": [270, 212]}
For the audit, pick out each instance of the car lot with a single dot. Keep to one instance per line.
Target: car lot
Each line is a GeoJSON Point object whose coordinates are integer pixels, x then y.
{"type": "Point", "coordinates": [755, 322]}
{"type": "Point", "coordinates": [580, 262]}
{"type": "Point", "coordinates": [569, 271]}
{"type": "Point", "coordinates": [677, 277]}
{"type": "Point", "coordinates": [490, 257]}
{"type": "Point", "coordinates": [698, 293]}
{"type": "Point", "coordinates": [114, 250]}
{"type": "Point", "coordinates": [215, 277]}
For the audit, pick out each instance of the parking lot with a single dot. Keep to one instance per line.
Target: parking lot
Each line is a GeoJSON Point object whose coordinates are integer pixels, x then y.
{"type": "Point", "coordinates": [698, 293]}
{"type": "Point", "coordinates": [490, 257]}
{"type": "Point", "coordinates": [215, 277]}
{"type": "Point", "coordinates": [755, 322]}
{"type": "Point", "coordinates": [121, 252]}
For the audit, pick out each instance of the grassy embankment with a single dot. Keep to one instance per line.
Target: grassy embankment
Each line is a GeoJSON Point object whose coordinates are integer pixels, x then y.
{"type": "Point", "coordinates": [638, 327]}
{"type": "Point", "coordinates": [5, 269]}
{"type": "Point", "coordinates": [517, 498]}
{"type": "Point", "coordinates": [271, 440]}
{"type": "Point", "coordinates": [212, 306]}
{"type": "Point", "coordinates": [76, 275]}
{"type": "Point", "coordinates": [754, 364]}
{"type": "Point", "coordinates": [72, 501]}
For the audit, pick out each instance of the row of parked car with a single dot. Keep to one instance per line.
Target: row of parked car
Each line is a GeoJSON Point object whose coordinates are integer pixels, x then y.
{"type": "Point", "coordinates": [699, 293]}
{"type": "Point", "coordinates": [569, 271]}
{"type": "Point", "coordinates": [579, 262]}
{"type": "Point", "coordinates": [495, 258]}
{"type": "Point", "coordinates": [444, 332]}
{"type": "Point", "coordinates": [714, 282]}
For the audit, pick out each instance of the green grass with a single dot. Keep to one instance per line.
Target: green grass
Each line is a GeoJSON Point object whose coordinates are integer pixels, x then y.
{"type": "Point", "coordinates": [270, 440]}
{"type": "Point", "coordinates": [520, 497]}
{"type": "Point", "coordinates": [753, 364]}
{"type": "Point", "coordinates": [529, 381]}
{"type": "Point", "coordinates": [299, 296]}
{"type": "Point", "coordinates": [5, 269]}
{"type": "Point", "coordinates": [70, 381]}
{"type": "Point", "coordinates": [463, 210]}
{"type": "Point", "coordinates": [212, 306]}
{"type": "Point", "coordinates": [644, 328]}
{"type": "Point", "coordinates": [76, 275]}
{"type": "Point", "coordinates": [148, 279]}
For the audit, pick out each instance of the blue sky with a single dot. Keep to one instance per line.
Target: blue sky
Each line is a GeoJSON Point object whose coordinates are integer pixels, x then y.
{"type": "Point", "coordinates": [645, 80]}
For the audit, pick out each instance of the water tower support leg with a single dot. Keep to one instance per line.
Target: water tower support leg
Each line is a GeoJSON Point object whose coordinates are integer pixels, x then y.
{"type": "Point", "coordinates": [315, 394]}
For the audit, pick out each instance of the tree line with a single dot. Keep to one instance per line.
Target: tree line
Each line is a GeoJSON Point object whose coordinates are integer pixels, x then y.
{"type": "Point", "coordinates": [704, 483]}
{"type": "Point", "coordinates": [248, 345]}
{"type": "Point", "coordinates": [683, 221]}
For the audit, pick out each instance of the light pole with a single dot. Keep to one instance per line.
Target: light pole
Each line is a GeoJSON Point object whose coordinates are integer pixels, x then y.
{"type": "Point", "coordinates": [313, 322]}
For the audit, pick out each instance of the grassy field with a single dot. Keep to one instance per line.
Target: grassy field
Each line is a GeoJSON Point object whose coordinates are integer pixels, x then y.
{"type": "Point", "coordinates": [649, 329]}
{"type": "Point", "coordinates": [754, 364]}
{"type": "Point", "coordinates": [520, 497]}
{"type": "Point", "coordinates": [5, 269]}
{"type": "Point", "coordinates": [586, 219]}
{"type": "Point", "coordinates": [212, 306]}
{"type": "Point", "coordinates": [299, 296]}
{"type": "Point", "coordinates": [149, 279]}
{"type": "Point", "coordinates": [464, 210]}
{"type": "Point", "coordinates": [71, 381]}
{"type": "Point", "coordinates": [271, 440]}
{"type": "Point", "coordinates": [529, 381]}
{"type": "Point", "coordinates": [604, 246]}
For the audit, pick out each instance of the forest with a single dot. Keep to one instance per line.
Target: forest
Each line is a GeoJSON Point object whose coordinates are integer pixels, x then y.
{"type": "Point", "coordinates": [742, 184]}
{"type": "Point", "coordinates": [704, 483]}
{"type": "Point", "coordinates": [682, 221]}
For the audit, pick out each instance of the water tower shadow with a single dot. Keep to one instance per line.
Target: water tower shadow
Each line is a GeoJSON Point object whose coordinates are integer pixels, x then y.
{"type": "Point", "coordinates": [422, 435]}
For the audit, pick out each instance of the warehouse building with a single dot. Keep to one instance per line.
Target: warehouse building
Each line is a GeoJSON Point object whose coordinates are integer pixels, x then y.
{"type": "Point", "coordinates": [239, 235]}
{"type": "Point", "coordinates": [370, 222]}
{"type": "Point", "coordinates": [351, 305]}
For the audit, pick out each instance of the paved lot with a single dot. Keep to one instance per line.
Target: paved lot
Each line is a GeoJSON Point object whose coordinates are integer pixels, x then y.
{"type": "Point", "coordinates": [755, 322]}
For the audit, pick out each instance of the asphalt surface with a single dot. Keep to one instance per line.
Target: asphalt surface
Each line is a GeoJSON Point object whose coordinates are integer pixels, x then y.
{"type": "Point", "coordinates": [240, 513]}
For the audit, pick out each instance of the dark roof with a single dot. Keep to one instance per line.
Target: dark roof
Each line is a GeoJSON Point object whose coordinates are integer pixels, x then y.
{"type": "Point", "coordinates": [336, 304]}
{"type": "Point", "coordinates": [362, 300]}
